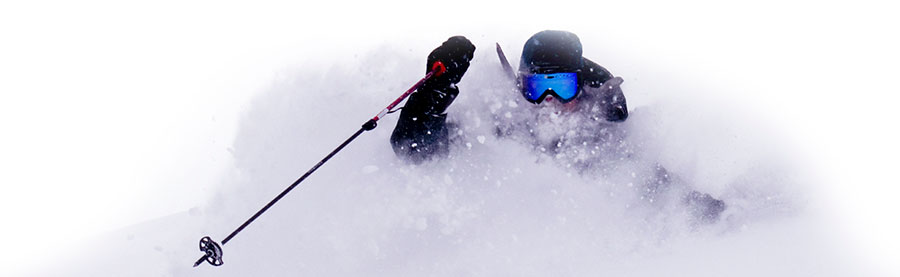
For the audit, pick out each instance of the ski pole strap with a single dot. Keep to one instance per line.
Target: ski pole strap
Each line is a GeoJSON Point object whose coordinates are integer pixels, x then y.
{"type": "Point", "coordinates": [437, 69]}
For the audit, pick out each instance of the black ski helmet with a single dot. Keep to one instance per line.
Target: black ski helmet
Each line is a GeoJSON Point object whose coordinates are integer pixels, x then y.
{"type": "Point", "coordinates": [551, 52]}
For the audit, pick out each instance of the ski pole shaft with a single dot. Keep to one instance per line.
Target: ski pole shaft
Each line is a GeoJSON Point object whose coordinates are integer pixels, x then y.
{"type": "Point", "coordinates": [213, 251]}
{"type": "Point", "coordinates": [292, 186]}
{"type": "Point", "coordinates": [285, 192]}
{"type": "Point", "coordinates": [437, 69]}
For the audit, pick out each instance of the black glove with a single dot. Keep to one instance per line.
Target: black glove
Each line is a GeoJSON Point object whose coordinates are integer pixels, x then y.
{"type": "Point", "coordinates": [613, 100]}
{"type": "Point", "coordinates": [455, 54]}
{"type": "Point", "coordinates": [437, 94]}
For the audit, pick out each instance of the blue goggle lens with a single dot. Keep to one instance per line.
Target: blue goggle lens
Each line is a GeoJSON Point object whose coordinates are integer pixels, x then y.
{"type": "Point", "coordinates": [562, 85]}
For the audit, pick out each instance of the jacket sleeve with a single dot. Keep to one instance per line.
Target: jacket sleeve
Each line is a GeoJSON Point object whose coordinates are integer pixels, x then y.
{"type": "Point", "coordinates": [421, 132]}
{"type": "Point", "coordinates": [605, 91]}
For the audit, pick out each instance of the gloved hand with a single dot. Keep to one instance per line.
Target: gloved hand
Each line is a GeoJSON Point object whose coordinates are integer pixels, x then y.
{"type": "Point", "coordinates": [436, 94]}
{"type": "Point", "coordinates": [613, 100]}
{"type": "Point", "coordinates": [421, 131]}
{"type": "Point", "coordinates": [455, 54]}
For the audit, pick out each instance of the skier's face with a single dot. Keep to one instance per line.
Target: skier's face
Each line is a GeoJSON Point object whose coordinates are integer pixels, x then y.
{"type": "Point", "coordinates": [551, 102]}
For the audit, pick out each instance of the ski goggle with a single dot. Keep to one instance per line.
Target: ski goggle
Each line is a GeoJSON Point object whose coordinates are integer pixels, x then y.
{"type": "Point", "coordinates": [563, 86]}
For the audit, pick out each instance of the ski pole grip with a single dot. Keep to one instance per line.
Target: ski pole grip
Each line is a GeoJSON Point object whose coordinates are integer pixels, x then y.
{"type": "Point", "coordinates": [438, 68]}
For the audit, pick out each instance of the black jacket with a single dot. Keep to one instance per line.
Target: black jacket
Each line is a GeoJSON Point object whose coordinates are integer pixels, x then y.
{"type": "Point", "coordinates": [422, 133]}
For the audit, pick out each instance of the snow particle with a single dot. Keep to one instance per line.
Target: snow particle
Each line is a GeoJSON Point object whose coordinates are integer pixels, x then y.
{"type": "Point", "coordinates": [481, 139]}
{"type": "Point", "coordinates": [496, 106]}
{"type": "Point", "coordinates": [369, 169]}
{"type": "Point", "coordinates": [421, 224]}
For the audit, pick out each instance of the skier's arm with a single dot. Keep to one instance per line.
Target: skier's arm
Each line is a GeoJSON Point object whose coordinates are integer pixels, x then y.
{"type": "Point", "coordinates": [605, 89]}
{"type": "Point", "coordinates": [421, 131]}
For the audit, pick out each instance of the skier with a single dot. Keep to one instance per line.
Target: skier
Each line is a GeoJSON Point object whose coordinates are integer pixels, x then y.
{"type": "Point", "coordinates": [584, 100]}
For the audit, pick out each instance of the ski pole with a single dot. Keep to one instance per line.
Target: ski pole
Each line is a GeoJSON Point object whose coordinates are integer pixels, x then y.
{"type": "Point", "coordinates": [212, 251]}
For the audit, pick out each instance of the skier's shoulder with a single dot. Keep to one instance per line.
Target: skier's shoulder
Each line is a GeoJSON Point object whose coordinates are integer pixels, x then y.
{"type": "Point", "coordinates": [594, 74]}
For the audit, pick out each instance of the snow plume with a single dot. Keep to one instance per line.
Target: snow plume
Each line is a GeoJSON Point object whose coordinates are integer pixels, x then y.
{"type": "Point", "coordinates": [498, 205]}
{"type": "Point", "coordinates": [526, 191]}
{"type": "Point", "coordinates": [136, 108]}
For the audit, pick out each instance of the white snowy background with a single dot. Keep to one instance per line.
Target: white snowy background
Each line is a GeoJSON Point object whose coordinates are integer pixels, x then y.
{"type": "Point", "coordinates": [132, 129]}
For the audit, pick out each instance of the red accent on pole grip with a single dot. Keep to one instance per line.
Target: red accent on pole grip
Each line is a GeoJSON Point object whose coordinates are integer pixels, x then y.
{"type": "Point", "coordinates": [438, 68]}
